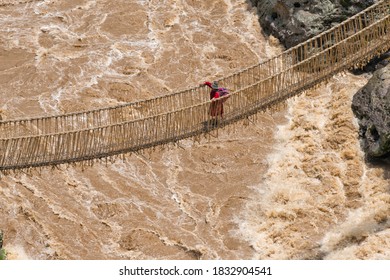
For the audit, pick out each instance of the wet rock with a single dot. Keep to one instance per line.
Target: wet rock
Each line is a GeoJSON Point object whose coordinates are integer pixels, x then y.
{"type": "Point", "coordinates": [294, 21]}
{"type": "Point", "coordinates": [371, 105]}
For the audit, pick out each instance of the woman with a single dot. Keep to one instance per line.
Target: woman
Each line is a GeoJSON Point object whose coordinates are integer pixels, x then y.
{"type": "Point", "coordinates": [216, 106]}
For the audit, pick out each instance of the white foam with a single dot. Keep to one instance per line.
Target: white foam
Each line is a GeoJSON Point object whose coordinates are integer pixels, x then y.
{"type": "Point", "coordinates": [16, 252]}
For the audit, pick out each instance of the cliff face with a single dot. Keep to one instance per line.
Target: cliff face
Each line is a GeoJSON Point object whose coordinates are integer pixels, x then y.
{"type": "Point", "coordinates": [294, 21]}
{"type": "Point", "coordinates": [371, 105]}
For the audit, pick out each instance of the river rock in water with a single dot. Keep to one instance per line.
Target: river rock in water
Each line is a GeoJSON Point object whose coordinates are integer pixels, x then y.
{"type": "Point", "coordinates": [371, 105]}
{"type": "Point", "coordinates": [294, 21]}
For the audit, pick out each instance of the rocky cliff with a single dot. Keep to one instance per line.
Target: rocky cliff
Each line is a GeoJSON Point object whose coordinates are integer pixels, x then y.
{"type": "Point", "coordinates": [371, 105]}
{"type": "Point", "coordinates": [294, 21]}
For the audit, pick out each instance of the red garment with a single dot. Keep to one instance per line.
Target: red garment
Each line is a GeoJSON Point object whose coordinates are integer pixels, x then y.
{"type": "Point", "coordinates": [214, 92]}
{"type": "Point", "coordinates": [208, 84]}
{"type": "Point", "coordinates": [216, 107]}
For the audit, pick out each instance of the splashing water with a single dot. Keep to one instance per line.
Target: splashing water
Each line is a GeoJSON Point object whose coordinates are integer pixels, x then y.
{"type": "Point", "coordinates": [319, 199]}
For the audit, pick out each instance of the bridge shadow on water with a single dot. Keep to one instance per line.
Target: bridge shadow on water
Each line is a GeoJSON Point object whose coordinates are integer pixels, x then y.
{"type": "Point", "coordinates": [382, 163]}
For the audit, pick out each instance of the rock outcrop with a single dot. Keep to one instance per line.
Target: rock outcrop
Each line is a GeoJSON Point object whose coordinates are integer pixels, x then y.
{"type": "Point", "coordinates": [371, 105]}
{"type": "Point", "coordinates": [294, 21]}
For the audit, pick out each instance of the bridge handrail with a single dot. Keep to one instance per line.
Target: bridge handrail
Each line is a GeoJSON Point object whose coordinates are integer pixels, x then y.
{"type": "Point", "coordinates": [69, 121]}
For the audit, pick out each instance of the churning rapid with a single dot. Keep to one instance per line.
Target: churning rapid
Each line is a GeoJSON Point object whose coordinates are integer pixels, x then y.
{"type": "Point", "coordinates": [288, 185]}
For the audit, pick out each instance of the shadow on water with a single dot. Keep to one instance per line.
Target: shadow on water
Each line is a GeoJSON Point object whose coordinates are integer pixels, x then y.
{"type": "Point", "coordinates": [380, 162]}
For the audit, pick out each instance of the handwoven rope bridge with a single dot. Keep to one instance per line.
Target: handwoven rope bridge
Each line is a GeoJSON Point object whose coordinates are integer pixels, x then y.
{"type": "Point", "coordinates": [89, 135]}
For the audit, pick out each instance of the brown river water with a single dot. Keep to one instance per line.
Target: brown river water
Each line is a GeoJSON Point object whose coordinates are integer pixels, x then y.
{"type": "Point", "coordinates": [291, 184]}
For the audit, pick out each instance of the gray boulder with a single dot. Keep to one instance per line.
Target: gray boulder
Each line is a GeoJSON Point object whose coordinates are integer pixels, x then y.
{"type": "Point", "coordinates": [371, 106]}
{"type": "Point", "coordinates": [294, 21]}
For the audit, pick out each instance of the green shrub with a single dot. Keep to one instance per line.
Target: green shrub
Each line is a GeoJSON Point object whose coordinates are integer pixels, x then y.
{"type": "Point", "coordinates": [3, 254]}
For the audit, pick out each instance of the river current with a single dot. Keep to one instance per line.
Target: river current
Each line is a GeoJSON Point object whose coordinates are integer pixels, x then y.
{"type": "Point", "coordinates": [290, 184]}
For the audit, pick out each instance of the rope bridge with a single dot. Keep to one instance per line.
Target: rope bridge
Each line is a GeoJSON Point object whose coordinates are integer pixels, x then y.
{"type": "Point", "coordinates": [88, 135]}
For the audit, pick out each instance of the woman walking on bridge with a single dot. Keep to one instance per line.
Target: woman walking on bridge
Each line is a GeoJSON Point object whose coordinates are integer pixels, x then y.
{"type": "Point", "coordinates": [216, 106]}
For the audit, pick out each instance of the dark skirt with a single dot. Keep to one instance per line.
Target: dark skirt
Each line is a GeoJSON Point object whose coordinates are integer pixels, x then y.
{"type": "Point", "coordinates": [216, 108]}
